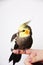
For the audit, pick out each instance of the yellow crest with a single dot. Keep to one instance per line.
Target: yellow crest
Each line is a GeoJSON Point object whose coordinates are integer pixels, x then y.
{"type": "Point", "coordinates": [23, 25]}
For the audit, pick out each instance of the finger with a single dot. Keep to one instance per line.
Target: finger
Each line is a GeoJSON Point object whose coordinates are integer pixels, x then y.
{"type": "Point", "coordinates": [27, 62]}
{"type": "Point", "coordinates": [34, 59]}
{"type": "Point", "coordinates": [37, 57]}
{"type": "Point", "coordinates": [26, 51]}
{"type": "Point", "coordinates": [33, 54]}
{"type": "Point", "coordinates": [18, 51]}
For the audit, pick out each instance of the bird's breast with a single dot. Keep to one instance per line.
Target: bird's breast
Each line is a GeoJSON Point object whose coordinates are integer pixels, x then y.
{"type": "Point", "coordinates": [23, 42]}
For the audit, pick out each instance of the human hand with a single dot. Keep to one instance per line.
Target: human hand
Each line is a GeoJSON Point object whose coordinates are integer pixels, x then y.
{"type": "Point", "coordinates": [35, 55]}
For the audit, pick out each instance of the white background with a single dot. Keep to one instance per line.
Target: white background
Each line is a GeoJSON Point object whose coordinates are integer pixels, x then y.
{"type": "Point", "coordinates": [12, 14]}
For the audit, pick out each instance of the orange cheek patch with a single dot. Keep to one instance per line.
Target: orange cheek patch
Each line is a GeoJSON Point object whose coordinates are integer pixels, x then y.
{"type": "Point", "coordinates": [27, 31]}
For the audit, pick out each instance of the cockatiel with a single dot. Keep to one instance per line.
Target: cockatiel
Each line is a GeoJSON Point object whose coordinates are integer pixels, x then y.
{"type": "Point", "coordinates": [23, 37]}
{"type": "Point", "coordinates": [23, 40]}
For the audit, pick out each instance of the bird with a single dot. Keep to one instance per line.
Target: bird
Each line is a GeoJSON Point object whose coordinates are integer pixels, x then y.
{"type": "Point", "coordinates": [23, 40]}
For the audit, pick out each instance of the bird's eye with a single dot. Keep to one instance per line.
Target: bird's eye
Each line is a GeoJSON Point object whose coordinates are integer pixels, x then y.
{"type": "Point", "coordinates": [23, 30]}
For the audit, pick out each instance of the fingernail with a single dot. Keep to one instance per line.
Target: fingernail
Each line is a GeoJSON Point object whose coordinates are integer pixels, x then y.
{"type": "Point", "coordinates": [14, 51]}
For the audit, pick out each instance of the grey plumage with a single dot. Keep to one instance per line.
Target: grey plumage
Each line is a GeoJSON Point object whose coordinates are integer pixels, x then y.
{"type": "Point", "coordinates": [21, 43]}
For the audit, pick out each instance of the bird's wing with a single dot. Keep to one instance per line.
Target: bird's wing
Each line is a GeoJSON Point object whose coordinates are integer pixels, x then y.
{"type": "Point", "coordinates": [13, 37]}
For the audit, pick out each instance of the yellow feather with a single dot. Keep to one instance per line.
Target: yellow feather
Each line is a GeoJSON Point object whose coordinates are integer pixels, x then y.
{"type": "Point", "coordinates": [23, 25]}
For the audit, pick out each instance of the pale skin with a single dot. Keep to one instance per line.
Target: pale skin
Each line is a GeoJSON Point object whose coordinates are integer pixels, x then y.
{"type": "Point", "coordinates": [35, 55]}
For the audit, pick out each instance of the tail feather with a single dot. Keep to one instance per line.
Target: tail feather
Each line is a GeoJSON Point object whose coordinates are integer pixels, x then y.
{"type": "Point", "coordinates": [11, 57]}
{"type": "Point", "coordinates": [15, 58]}
{"type": "Point", "coordinates": [13, 62]}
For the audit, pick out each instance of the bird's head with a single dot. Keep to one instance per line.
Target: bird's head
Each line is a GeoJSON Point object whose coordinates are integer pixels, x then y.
{"type": "Point", "coordinates": [25, 30]}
